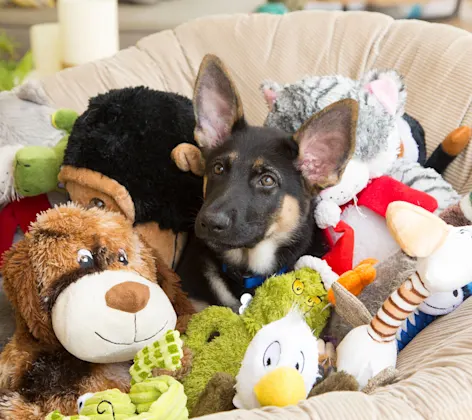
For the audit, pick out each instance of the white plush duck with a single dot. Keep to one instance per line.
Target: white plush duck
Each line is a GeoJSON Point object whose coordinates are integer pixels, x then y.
{"type": "Point", "coordinates": [280, 366]}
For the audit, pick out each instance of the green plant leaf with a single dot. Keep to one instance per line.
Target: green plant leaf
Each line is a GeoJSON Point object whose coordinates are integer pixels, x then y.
{"type": "Point", "coordinates": [23, 68]}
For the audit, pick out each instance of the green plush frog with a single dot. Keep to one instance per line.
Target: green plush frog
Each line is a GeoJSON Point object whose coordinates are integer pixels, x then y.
{"type": "Point", "coordinates": [218, 338]}
{"type": "Point", "coordinates": [150, 398]}
{"type": "Point", "coordinates": [36, 167]}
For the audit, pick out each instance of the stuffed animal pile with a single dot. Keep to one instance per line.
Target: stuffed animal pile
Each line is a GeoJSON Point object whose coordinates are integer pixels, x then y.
{"type": "Point", "coordinates": [103, 329]}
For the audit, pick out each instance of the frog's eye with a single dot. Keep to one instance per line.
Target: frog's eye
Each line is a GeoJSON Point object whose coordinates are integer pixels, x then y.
{"type": "Point", "coordinates": [313, 300]}
{"type": "Point", "coordinates": [298, 287]}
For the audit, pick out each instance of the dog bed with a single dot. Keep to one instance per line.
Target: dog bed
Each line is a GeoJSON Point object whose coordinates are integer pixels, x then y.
{"type": "Point", "coordinates": [436, 60]}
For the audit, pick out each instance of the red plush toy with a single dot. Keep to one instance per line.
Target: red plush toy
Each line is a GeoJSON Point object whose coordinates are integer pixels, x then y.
{"type": "Point", "coordinates": [19, 213]}
{"type": "Point", "coordinates": [362, 232]}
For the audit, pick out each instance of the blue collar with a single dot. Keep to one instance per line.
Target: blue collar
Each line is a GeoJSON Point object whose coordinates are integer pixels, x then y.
{"type": "Point", "coordinates": [251, 282]}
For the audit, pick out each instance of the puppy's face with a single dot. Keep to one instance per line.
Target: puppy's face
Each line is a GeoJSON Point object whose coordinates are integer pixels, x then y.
{"type": "Point", "coordinates": [253, 190]}
{"type": "Point", "coordinates": [85, 277]}
{"type": "Point", "coordinates": [259, 181]}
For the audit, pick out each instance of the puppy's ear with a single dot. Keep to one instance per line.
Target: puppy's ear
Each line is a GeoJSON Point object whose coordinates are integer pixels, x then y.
{"type": "Point", "coordinates": [326, 143]}
{"type": "Point", "coordinates": [217, 104]}
{"type": "Point", "coordinates": [418, 232]}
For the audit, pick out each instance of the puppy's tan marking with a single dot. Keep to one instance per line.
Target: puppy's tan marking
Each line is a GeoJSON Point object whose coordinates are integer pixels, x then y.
{"type": "Point", "coordinates": [258, 163]}
{"type": "Point", "coordinates": [233, 156]}
{"type": "Point", "coordinates": [205, 180]}
{"type": "Point", "coordinates": [286, 219]}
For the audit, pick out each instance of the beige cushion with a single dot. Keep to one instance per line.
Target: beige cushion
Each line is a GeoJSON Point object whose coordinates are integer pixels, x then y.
{"type": "Point", "coordinates": [436, 61]}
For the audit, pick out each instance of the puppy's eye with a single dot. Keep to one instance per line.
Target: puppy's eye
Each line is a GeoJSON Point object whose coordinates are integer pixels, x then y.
{"type": "Point", "coordinates": [85, 258]}
{"type": "Point", "coordinates": [267, 181]}
{"type": "Point", "coordinates": [96, 202]}
{"type": "Point", "coordinates": [122, 257]}
{"type": "Point", "coordinates": [218, 169]}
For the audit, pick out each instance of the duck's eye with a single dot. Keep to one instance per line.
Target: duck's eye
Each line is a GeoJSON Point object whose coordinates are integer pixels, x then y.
{"type": "Point", "coordinates": [300, 364]}
{"type": "Point", "coordinates": [298, 287]}
{"type": "Point", "coordinates": [85, 258]}
{"type": "Point", "coordinates": [122, 257]}
{"type": "Point", "coordinates": [272, 355]}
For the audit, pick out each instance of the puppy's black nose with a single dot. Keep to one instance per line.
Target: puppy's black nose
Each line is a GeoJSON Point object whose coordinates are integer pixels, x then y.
{"type": "Point", "coordinates": [215, 222]}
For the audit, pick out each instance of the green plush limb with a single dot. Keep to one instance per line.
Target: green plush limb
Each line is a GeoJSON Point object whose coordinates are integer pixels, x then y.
{"type": "Point", "coordinates": [165, 353]}
{"type": "Point", "coordinates": [108, 405]}
{"type": "Point", "coordinates": [64, 119]}
{"type": "Point", "coordinates": [159, 398]}
{"type": "Point", "coordinates": [36, 168]}
{"type": "Point", "coordinates": [302, 289]}
{"type": "Point", "coordinates": [218, 340]}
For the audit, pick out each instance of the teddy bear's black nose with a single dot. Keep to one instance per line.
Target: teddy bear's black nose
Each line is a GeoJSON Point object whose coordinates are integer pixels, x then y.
{"type": "Point", "coordinates": [128, 296]}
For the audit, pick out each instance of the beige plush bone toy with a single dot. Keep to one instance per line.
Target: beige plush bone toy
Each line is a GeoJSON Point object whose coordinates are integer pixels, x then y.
{"type": "Point", "coordinates": [443, 264]}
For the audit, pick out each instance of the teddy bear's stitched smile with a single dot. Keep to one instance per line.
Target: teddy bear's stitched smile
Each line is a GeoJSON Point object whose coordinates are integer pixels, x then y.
{"type": "Point", "coordinates": [135, 332]}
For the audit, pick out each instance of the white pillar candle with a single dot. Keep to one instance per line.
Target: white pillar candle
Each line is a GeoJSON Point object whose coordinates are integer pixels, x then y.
{"type": "Point", "coordinates": [46, 48]}
{"type": "Point", "coordinates": [89, 30]}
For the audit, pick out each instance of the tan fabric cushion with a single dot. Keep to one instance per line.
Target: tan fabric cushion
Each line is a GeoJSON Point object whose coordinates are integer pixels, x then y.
{"type": "Point", "coordinates": [436, 61]}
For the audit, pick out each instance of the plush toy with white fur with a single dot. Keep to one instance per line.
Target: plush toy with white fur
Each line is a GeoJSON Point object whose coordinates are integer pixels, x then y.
{"type": "Point", "coordinates": [25, 120]}
{"type": "Point", "coordinates": [352, 212]}
{"type": "Point", "coordinates": [280, 365]}
{"type": "Point", "coordinates": [443, 265]}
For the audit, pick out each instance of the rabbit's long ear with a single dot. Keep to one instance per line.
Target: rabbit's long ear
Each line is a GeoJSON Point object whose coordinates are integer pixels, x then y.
{"type": "Point", "coordinates": [388, 88]}
{"type": "Point", "coordinates": [418, 232]}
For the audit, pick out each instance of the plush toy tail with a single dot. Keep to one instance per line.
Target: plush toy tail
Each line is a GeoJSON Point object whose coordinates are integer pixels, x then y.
{"type": "Point", "coordinates": [449, 149]}
{"type": "Point", "coordinates": [369, 349]}
{"type": "Point", "coordinates": [398, 306]}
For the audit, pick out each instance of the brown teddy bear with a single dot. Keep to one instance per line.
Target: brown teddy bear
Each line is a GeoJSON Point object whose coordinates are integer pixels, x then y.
{"type": "Point", "coordinates": [88, 294]}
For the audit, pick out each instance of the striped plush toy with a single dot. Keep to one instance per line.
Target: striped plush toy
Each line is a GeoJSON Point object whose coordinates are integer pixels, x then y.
{"type": "Point", "coordinates": [443, 265]}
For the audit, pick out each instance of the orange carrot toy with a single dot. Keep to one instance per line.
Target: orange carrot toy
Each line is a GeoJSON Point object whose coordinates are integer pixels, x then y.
{"type": "Point", "coordinates": [356, 279]}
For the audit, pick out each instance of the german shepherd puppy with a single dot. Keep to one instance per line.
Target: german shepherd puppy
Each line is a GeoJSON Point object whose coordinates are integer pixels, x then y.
{"type": "Point", "coordinates": [259, 185]}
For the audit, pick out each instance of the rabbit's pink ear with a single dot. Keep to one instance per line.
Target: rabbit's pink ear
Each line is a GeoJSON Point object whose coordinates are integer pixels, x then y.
{"type": "Point", "coordinates": [386, 92]}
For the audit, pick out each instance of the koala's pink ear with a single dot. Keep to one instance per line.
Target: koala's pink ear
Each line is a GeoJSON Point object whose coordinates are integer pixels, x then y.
{"type": "Point", "coordinates": [386, 92]}
{"type": "Point", "coordinates": [270, 92]}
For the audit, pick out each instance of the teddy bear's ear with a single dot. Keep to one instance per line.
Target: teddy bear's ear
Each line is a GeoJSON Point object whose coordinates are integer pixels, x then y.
{"type": "Point", "coordinates": [21, 289]}
{"type": "Point", "coordinates": [418, 232]}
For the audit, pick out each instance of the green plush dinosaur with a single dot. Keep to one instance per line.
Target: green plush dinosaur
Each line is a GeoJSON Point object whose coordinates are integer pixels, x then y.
{"type": "Point", "coordinates": [218, 338]}
{"type": "Point", "coordinates": [36, 167]}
